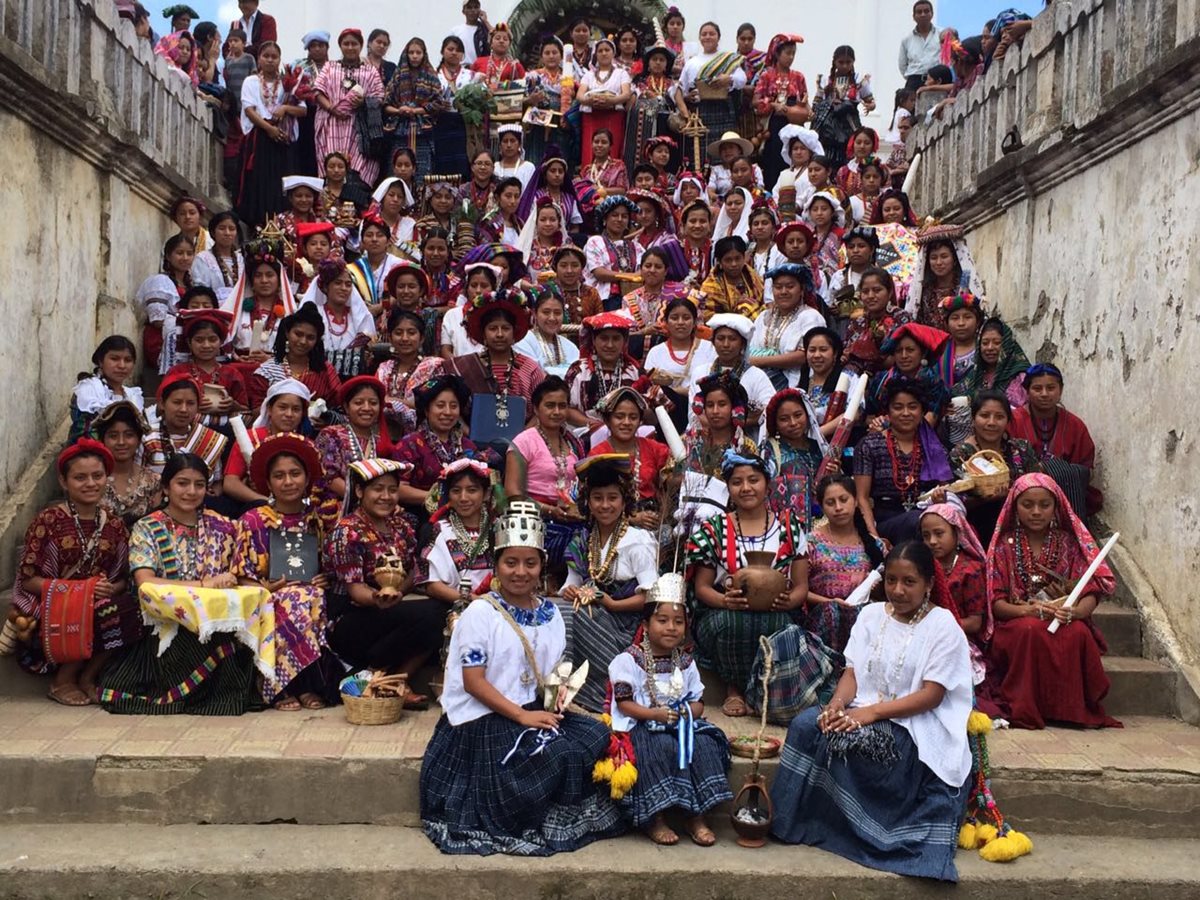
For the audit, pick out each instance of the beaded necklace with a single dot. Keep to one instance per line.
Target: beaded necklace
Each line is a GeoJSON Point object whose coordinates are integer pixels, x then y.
{"type": "Point", "coordinates": [398, 379]}
{"type": "Point", "coordinates": [1045, 435]}
{"type": "Point", "coordinates": [356, 448]}
{"type": "Point", "coordinates": [776, 324]}
{"type": "Point", "coordinates": [768, 526]}
{"type": "Point", "coordinates": [445, 451]}
{"type": "Point", "coordinates": [621, 252]}
{"type": "Point", "coordinates": [604, 385]}
{"type": "Point", "coordinates": [648, 665]}
{"type": "Point", "coordinates": [890, 675]}
{"type": "Point", "coordinates": [87, 546]}
{"type": "Point", "coordinates": [500, 392]}
{"type": "Point", "coordinates": [560, 458]}
{"type": "Point", "coordinates": [1030, 569]}
{"type": "Point", "coordinates": [550, 348]}
{"type": "Point", "coordinates": [229, 274]}
{"type": "Point", "coordinates": [600, 571]}
{"type": "Point", "coordinates": [905, 476]}
{"type": "Point", "coordinates": [187, 547]}
{"type": "Point", "coordinates": [471, 543]}
{"type": "Point", "coordinates": [686, 360]}
{"type": "Point", "coordinates": [289, 372]}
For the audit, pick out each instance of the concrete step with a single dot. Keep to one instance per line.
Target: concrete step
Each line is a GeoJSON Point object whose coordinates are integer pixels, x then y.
{"type": "Point", "coordinates": [1140, 687]}
{"type": "Point", "coordinates": [133, 862]}
{"type": "Point", "coordinates": [1121, 627]}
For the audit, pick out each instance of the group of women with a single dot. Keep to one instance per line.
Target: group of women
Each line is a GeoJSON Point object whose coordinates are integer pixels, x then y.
{"type": "Point", "coordinates": [374, 445]}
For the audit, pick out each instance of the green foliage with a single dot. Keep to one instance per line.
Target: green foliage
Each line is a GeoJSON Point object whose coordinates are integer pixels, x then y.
{"type": "Point", "coordinates": [474, 101]}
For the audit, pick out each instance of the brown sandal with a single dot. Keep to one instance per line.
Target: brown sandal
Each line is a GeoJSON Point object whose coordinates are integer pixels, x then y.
{"type": "Point", "coordinates": [701, 834]}
{"type": "Point", "coordinates": [662, 835]}
{"type": "Point", "coordinates": [69, 695]}
{"type": "Point", "coordinates": [735, 707]}
{"type": "Point", "coordinates": [309, 700]}
{"type": "Point", "coordinates": [287, 703]}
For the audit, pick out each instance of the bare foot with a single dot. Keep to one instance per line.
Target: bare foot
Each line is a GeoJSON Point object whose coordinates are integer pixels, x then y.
{"type": "Point", "coordinates": [700, 833]}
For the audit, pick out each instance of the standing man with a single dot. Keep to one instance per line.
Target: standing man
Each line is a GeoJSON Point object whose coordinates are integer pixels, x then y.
{"type": "Point", "coordinates": [920, 50]}
{"type": "Point", "coordinates": [259, 27]}
{"type": "Point", "coordinates": [473, 34]}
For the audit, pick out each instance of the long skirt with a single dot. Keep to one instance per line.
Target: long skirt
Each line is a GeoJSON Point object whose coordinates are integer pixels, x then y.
{"type": "Point", "coordinates": [599, 636]}
{"type": "Point", "coordinates": [662, 785]}
{"type": "Point", "coordinates": [831, 622]}
{"type": "Point", "coordinates": [611, 119]}
{"type": "Point", "coordinates": [771, 160]}
{"type": "Point", "coordinates": [718, 116]}
{"type": "Point", "coordinates": [728, 640]}
{"type": "Point", "coordinates": [369, 637]}
{"type": "Point", "coordinates": [1035, 676]}
{"type": "Point", "coordinates": [450, 145]}
{"type": "Point", "coordinates": [895, 815]}
{"type": "Point", "coordinates": [532, 805]}
{"type": "Point", "coordinates": [298, 634]}
{"type": "Point", "coordinates": [211, 679]}
{"type": "Point", "coordinates": [264, 164]}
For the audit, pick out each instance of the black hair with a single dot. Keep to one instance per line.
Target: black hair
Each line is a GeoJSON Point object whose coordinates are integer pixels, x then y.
{"type": "Point", "coordinates": [973, 47]}
{"type": "Point", "coordinates": [452, 39]}
{"type": "Point", "coordinates": [123, 414]}
{"type": "Point", "coordinates": [435, 232]}
{"type": "Point", "coordinates": [727, 386]}
{"type": "Point", "coordinates": [928, 3]}
{"type": "Point", "coordinates": [306, 314]}
{"type": "Point", "coordinates": [873, 163]}
{"type": "Point", "coordinates": [491, 314]}
{"type": "Point", "coordinates": [481, 152]}
{"type": "Point", "coordinates": [204, 32]}
{"type": "Point", "coordinates": [902, 95]}
{"type": "Point", "coordinates": [917, 553]}
{"type": "Point", "coordinates": [884, 276]}
{"type": "Point", "coordinates": [994, 396]}
{"type": "Point", "coordinates": [646, 167]}
{"type": "Point", "coordinates": [551, 384]}
{"type": "Point", "coordinates": [835, 341]}
{"type": "Point", "coordinates": [845, 482]}
{"type": "Point", "coordinates": [746, 26]}
{"type": "Point", "coordinates": [180, 461]}
{"type": "Point", "coordinates": [940, 74]}
{"type": "Point", "coordinates": [715, 26]}
{"type": "Point", "coordinates": [189, 329]}
{"type": "Point", "coordinates": [424, 394]}
{"type": "Point", "coordinates": [112, 344]}
{"type": "Point", "coordinates": [578, 20]}
{"type": "Point", "coordinates": [658, 253]}
{"type": "Point", "coordinates": [892, 194]}
{"type": "Point", "coordinates": [482, 480]}
{"type": "Point", "coordinates": [404, 151]}
{"type": "Point", "coordinates": [505, 183]}
{"type": "Point", "coordinates": [725, 244]}
{"type": "Point", "coordinates": [397, 315]}
{"type": "Point", "coordinates": [673, 13]}
{"type": "Point", "coordinates": [949, 244]}
{"type": "Point", "coordinates": [822, 160]}
{"type": "Point", "coordinates": [378, 32]}
{"type": "Point", "coordinates": [173, 243]}
{"type": "Point", "coordinates": [180, 385]}
{"type": "Point", "coordinates": [381, 226]}
{"type": "Point", "coordinates": [237, 34]}
{"type": "Point", "coordinates": [845, 50]}
{"type": "Point", "coordinates": [621, 32]}
{"type": "Point", "coordinates": [227, 215]}
{"type": "Point", "coordinates": [599, 476]}
{"type": "Point", "coordinates": [762, 211]}
{"type": "Point", "coordinates": [676, 302]}
{"type": "Point", "coordinates": [902, 385]}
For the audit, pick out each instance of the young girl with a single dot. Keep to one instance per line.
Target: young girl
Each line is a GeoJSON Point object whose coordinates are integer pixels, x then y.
{"type": "Point", "coordinates": [512, 162]}
{"type": "Point", "coordinates": [158, 296]}
{"type": "Point", "coordinates": [645, 304]}
{"type": "Point", "coordinates": [964, 316]}
{"type": "Point", "coordinates": [112, 362]}
{"type": "Point", "coordinates": [444, 285]}
{"type": "Point", "coordinates": [544, 343]}
{"type": "Point", "coordinates": [313, 246]}
{"type": "Point", "coordinates": [734, 218]}
{"type": "Point", "coordinates": [411, 103]}
{"type": "Point", "coordinates": [876, 776]}
{"type": "Point", "coordinates": [217, 267]}
{"type": "Point", "coordinates": [503, 224]}
{"type": "Point", "coordinates": [819, 376]}
{"type": "Point", "coordinates": [795, 241]}
{"type": "Point", "coordinates": [364, 436]}
{"type": "Point", "coordinates": [179, 429]}
{"type": "Point", "coordinates": [861, 245]}
{"type": "Point", "coordinates": [697, 223]}
{"type": "Point", "coordinates": [841, 554]}
{"type": "Point", "coordinates": [371, 269]}
{"type": "Point", "coordinates": [733, 286]}
{"type": "Point", "coordinates": [548, 235]}
{"type": "Point", "coordinates": [610, 255]}
{"type": "Point", "coordinates": [579, 300]}
{"type": "Point", "coordinates": [793, 451]}
{"type": "Point", "coordinates": [406, 333]}
{"type": "Point", "coordinates": [132, 490]}
{"type": "Point", "coordinates": [678, 363]}
{"type": "Point", "coordinates": [458, 561]}
{"type": "Point", "coordinates": [610, 566]}
{"type": "Point", "coordinates": [954, 544]}
{"type": "Point", "coordinates": [777, 344]}
{"type": "Point", "coordinates": [828, 219]}
{"type": "Point", "coordinates": [393, 203]}
{"type": "Point", "coordinates": [284, 410]}
{"type": "Point", "coordinates": [839, 99]}
{"type": "Point", "coordinates": [604, 94]}
{"type": "Point", "coordinates": [653, 681]}
{"type": "Point", "coordinates": [863, 144]}
{"type": "Point", "coordinates": [865, 334]}
{"type": "Point", "coordinates": [658, 152]}
{"type": "Point", "coordinates": [731, 335]}
{"type": "Point", "coordinates": [498, 68]}
{"type": "Point", "coordinates": [443, 212]}
{"type": "Point", "coordinates": [604, 171]}
{"type": "Point", "coordinates": [604, 365]}
{"type": "Point", "coordinates": [764, 254]}
{"type": "Point", "coordinates": [204, 332]}
{"type": "Point", "coordinates": [872, 177]}
{"type": "Point", "coordinates": [501, 651]}
{"type": "Point", "coordinates": [551, 182]}
{"type": "Point", "coordinates": [623, 411]}
{"type": "Point", "coordinates": [299, 353]}
{"type": "Point", "coordinates": [480, 279]}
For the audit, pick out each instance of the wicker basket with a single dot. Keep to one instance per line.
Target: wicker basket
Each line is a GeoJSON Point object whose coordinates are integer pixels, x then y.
{"type": "Point", "coordinates": [744, 747]}
{"type": "Point", "coordinates": [989, 487]}
{"type": "Point", "coordinates": [710, 91]}
{"type": "Point", "coordinates": [510, 104]}
{"type": "Point", "coordinates": [381, 704]}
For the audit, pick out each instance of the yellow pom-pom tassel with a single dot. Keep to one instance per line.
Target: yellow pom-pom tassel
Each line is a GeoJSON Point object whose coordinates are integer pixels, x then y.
{"type": "Point", "coordinates": [623, 780]}
{"type": "Point", "coordinates": [968, 836]}
{"type": "Point", "coordinates": [1007, 848]}
{"type": "Point", "coordinates": [985, 834]}
{"type": "Point", "coordinates": [978, 723]}
{"type": "Point", "coordinates": [606, 719]}
{"type": "Point", "coordinates": [603, 770]}
{"type": "Point", "coordinates": [1023, 840]}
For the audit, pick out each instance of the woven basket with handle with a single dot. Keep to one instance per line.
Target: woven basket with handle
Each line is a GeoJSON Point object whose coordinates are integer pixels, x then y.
{"type": "Point", "coordinates": [989, 487]}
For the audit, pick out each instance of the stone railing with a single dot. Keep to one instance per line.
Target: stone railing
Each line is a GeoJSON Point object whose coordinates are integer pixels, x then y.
{"type": "Point", "coordinates": [76, 70]}
{"type": "Point", "coordinates": [1091, 77]}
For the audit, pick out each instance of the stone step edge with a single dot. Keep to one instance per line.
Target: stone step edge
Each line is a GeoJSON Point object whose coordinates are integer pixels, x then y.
{"type": "Point", "coordinates": [131, 862]}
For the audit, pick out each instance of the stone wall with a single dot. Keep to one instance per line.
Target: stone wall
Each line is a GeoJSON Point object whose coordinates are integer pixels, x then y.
{"type": "Point", "coordinates": [1087, 241]}
{"type": "Point", "coordinates": [97, 137]}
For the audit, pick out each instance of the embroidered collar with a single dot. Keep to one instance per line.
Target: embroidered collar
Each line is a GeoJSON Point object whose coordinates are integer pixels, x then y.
{"type": "Point", "coordinates": [662, 664]}
{"type": "Point", "coordinates": [527, 618]}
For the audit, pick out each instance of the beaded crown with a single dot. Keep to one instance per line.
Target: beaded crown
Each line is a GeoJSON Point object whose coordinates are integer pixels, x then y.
{"type": "Point", "coordinates": [520, 525]}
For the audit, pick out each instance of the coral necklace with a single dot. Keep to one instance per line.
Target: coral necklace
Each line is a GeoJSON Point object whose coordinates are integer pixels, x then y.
{"type": "Point", "coordinates": [905, 476]}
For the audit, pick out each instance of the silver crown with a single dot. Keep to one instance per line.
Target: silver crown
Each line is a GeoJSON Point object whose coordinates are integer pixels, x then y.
{"type": "Point", "coordinates": [520, 526]}
{"type": "Point", "coordinates": [670, 589]}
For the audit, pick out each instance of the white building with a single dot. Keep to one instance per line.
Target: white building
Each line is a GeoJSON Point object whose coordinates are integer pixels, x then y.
{"type": "Point", "coordinates": [873, 27]}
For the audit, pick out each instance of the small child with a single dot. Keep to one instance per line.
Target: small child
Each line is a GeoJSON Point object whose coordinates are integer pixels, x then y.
{"type": "Point", "coordinates": [656, 693]}
{"type": "Point", "coordinates": [239, 65]}
{"type": "Point", "coordinates": [795, 241]}
{"type": "Point", "coordinates": [827, 218]}
{"type": "Point", "coordinates": [203, 333]}
{"type": "Point", "coordinates": [658, 152]}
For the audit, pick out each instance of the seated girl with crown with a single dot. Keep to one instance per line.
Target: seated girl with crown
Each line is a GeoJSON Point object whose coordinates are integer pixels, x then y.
{"type": "Point", "coordinates": [507, 770]}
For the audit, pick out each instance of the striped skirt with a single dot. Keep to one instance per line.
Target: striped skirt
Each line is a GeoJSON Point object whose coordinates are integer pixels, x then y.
{"type": "Point", "coordinates": [896, 816]}
{"type": "Point", "coordinates": [727, 640]}
{"type": "Point", "coordinates": [662, 785]}
{"type": "Point", "coordinates": [599, 636]}
{"type": "Point", "coordinates": [531, 805]}
{"type": "Point", "coordinates": [719, 116]}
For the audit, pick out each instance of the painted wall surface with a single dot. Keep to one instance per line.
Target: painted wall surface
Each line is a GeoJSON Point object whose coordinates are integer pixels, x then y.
{"type": "Point", "coordinates": [873, 27]}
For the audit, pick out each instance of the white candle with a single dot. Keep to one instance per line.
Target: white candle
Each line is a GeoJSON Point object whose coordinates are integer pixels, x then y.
{"type": "Point", "coordinates": [1082, 584]}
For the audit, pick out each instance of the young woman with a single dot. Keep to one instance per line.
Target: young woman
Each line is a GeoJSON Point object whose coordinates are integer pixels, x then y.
{"type": "Point", "coordinates": [393, 203]}
{"type": "Point", "coordinates": [337, 192]}
{"type": "Point", "coordinates": [223, 391]}
{"type": "Point", "coordinates": [1041, 548]}
{"type": "Point", "coordinates": [302, 195]}
{"type": "Point", "coordinates": [498, 67]}
{"type": "Point", "coordinates": [218, 267]}
{"type": "Point", "coordinates": [501, 651]}
{"type": "Point", "coordinates": [67, 545]}
{"type": "Point", "coordinates": [341, 89]}
{"type": "Point", "coordinates": [726, 630]}
{"type": "Point", "coordinates": [577, 53]}
{"type": "Point", "coordinates": [259, 302]}
{"type": "Point", "coordinates": [549, 235]}
{"type": "Point", "coordinates": [347, 319]}
{"type": "Point", "coordinates": [733, 286]}
{"type": "Point", "coordinates": [762, 253]}
{"type": "Point", "coordinates": [459, 560]}
{"type": "Point", "coordinates": [646, 304]}
{"type": "Point", "coordinates": [880, 317]}
{"type": "Point", "coordinates": [371, 269]}
{"type": "Point", "coordinates": [862, 246]}
{"type": "Point", "coordinates": [795, 241]}
{"type": "Point", "coordinates": [653, 103]}
{"type": "Point", "coordinates": [437, 254]}
{"type": "Point", "coordinates": [777, 344]}
{"type": "Point", "coordinates": [991, 415]}
{"type": "Point", "coordinates": [405, 331]}
{"type": "Point", "coordinates": [132, 490]}
{"type": "Point", "coordinates": [963, 314]}
{"type": "Point", "coordinates": [731, 336]}
{"type": "Point", "coordinates": [912, 348]}
{"type": "Point", "coordinates": [604, 365]}
{"type": "Point", "coordinates": [841, 554]}
{"type": "Point", "coordinates": [364, 436]}
{"type": "Point", "coordinates": [512, 162]}
{"type": "Point", "coordinates": [623, 411]}
{"type": "Point", "coordinates": [954, 544]}
{"type": "Point", "coordinates": [646, 708]}
{"type": "Point", "coordinates": [733, 219]}
{"type": "Point", "coordinates": [158, 297]}
{"type": "Point", "coordinates": [179, 429]}
{"type": "Point", "coordinates": [503, 224]}
{"type": "Point", "coordinates": [876, 776]}
{"type": "Point", "coordinates": [892, 207]}
{"type": "Point", "coordinates": [611, 257]}
{"type": "Point", "coordinates": [604, 170]}
{"type": "Point", "coordinates": [449, 130]}
{"type": "Point", "coordinates": [605, 91]}
{"type": "Point", "coordinates": [188, 215]}
{"type": "Point", "coordinates": [580, 300]}
{"type": "Point", "coordinates": [284, 411]}
{"type": "Point", "coordinates": [550, 182]}
{"type": "Point", "coordinates": [819, 376]}
{"type": "Point", "coordinates": [711, 83]}
{"type": "Point", "coordinates": [674, 25]}
{"type": "Point", "coordinates": [678, 363]}
{"type": "Point", "coordinates": [1059, 437]}
{"type": "Point", "coordinates": [893, 468]}
{"type": "Point", "coordinates": [835, 106]}
{"type": "Point", "coordinates": [798, 147]}
{"type": "Point", "coordinates": [793, 451]}
{"type": "Point", "coordinates": [828, 219]}
{"type": "Point", "coordinates": [780, 97]}
{"type": "Point", "coordinates": [697, 222]}
{"type": "Point", "coordinates": [478, 192]}
{"type": "Point", "coordinates": [299, 353]}
{"type": "Point", "coordinates": [943, 268]}
{"type": "Point", "coordinates": [544, 343]}
{"type": "Point", "coordinates": [610, 566]}
{"type": "Point", "coordinates": [479, 279]}
{"type": "Point", "coordinates": [1000, 363]}
{"type": "Point", "coordinates": [412, 104]}
{"type": "Point", "coordinates": [285, 467]}
{"type": "Point", "coordinates": [113, 362]}
{"type": "Point", "coordinates": [862, 146]}
{"type": "Point", "coordinates": [181, 560]}
{"type": "Point", "coordinates": [547, 89]}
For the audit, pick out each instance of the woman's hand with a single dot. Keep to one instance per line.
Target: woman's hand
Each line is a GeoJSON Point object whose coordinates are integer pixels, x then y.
{"type": "Point", "coordinates": [570, 593]}
{"type": "Point", "coordinates": [321, 582]}
{"type": "Point", "coordinates": [534, 719]}
{"type": "Point", "coordinates": [784, 602]}
{"type": "Point", "coordinates": [220, 582]}
{"type": "Point", "coordinates": [938, 494]}
{"type": "Point", "coordinates": [722, 81]}
{"type": "Point", "coordinates": [735, 599]}
{"type": "Point", "coordinates": [854, 719]}
{"type": "Point", "coordinates": [666, 716]}
{"type": "Point", "coordinates": [104, 589]}
{"type": "Point", "coordinates": [830, 714]}
{"type": "Point", "coordinates": [645, 519]}
{"type": "Point", "coordinates": [259, 356]}
{"type": "Point", "coordinates": [879, 423]}
{"type": "Point", "coordinates": [384, 601]}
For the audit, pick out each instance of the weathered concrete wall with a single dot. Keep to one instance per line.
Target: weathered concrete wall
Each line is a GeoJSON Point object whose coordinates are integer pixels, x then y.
{"type": "Point", "coordinates": [1087, 241]}
{"type": "Point", "coordinates": [97, 138]}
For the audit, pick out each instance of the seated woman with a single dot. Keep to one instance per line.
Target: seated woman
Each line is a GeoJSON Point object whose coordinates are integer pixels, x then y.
{"type": "Point", "coordinates": [367, 628]}
{"type": "Point", "coordinates": [646, 303]}
{"type": "Point", "coordinates": [364, 436]}
{"type": "Point", "coordinates": [348, 320]}
{"type": "Point", "coordinates": [260, 301]}
{"type": "Point", "coordinates": [299, 353]}
{"type": "Point", "coordinates": [733, 286]}
{"type": "Point", "coordinates": [793, 451]}
{"type": "Point", "coordinates": [678, 363]}
{"type": "Point", "coordinates": [580, 300]}
{"type": "Point", "coordinates": [623, 412]}
{"type": "Point", "coordinates": [1041, 548]}
{"type": "Point", "coordinates": [479, 278]}
{"type": "Point", "coordinates": [726, 630]}
{"type": "Point", "coordinates": [954, 544]}
{"type": "Point", "coordinates": [158, 296]}
{"type": "Point", "coordinates": [964, 317]}
{"type": "Point", "coordinates": [719, 408]}
{"type": "Point", "coordinates": [180, 431]}
{"type": "Point", "coordinates": [459, 560]}
{"type": "Point", "coordinates": [893, 468]}
{"type": "Point", "coordinates": [405, 332]}
{"type": "Point", "coordinates": [284, 411]}
{"type": "Point", "coordinates": [1060, 437]}
{"type": "Point", "coordinates": [990, 418]}
{"type": "Point", "coordinates": [841, 554]}
{"type": "Point", "coordinates": [646, 706]}
{"type": "Point", "coordinates": [865, 334]}
{"type": "Point", "coordinates": [611, 257]}
{"type": "Point", "coordinates": [502, 650]}
{"type": "Point", "coordinates": [544, 343]}
{"type": "Point", "coordinates": [731, 337]}
{"type": "Point", "coordinates": [819, 376]}
{"type": "Point", "coordinates": [610, 566]}
{"type": "Point", "coordinates": [279, 546]}
{"type": "Point", "coordinates": [113, 363]}
{"type": "Point", "coordinates": [72, 580]}
{"type": "Point", "coordinates": [210, 635]}
{"type": "Point", "coordinates": [913, 347]}
{"type": "Point", "coordinates": [604, 365]}
{"type": "Point", "coordinates": [542, 235]}
{"type": "Point", "coordinates": [777, 344]}
{"type": "Point", "coordinates": [223, 391]}
{"type": "Point", "coordinates": [877, 775]}
{"type": "Point", "coordinates": [1000, 363]}
{"type": "Point", "coordinates": [132, 490]}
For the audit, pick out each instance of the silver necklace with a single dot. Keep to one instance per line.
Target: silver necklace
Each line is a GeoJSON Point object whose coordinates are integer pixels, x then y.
{"type": "Point", "coordinates": [890, 674]}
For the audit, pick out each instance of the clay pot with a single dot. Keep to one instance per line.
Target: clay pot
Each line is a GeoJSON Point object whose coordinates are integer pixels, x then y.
{"type": "Point", "coordinates": [759, 581]}
{"type": "Point", "coordinates": [752, 812]}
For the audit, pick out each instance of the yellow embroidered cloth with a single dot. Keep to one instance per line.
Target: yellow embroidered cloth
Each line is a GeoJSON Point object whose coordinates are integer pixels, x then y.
{"type": "Point", "coordinates": [244, 612]}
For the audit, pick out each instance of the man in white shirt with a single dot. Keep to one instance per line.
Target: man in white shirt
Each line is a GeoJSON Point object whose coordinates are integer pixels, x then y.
{"type": "Point", "coordinates": [920, 50]}
{"type": "Point", "coordinates": [475, 18]}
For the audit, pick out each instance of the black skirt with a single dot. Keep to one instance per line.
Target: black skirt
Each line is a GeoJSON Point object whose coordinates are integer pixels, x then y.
{"type": "Point", "coordinates": [264, 164]}
{"type": "Point", "coordinates": [661, 785]}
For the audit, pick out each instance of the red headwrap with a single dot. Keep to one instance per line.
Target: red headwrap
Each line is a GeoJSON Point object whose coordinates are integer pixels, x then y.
{"type": "Point", "coordinates": [346, 32]}
{"type": "Point", "coordinates": [779, 41]}
{"type": "Point", "coordinates": [89, 447]}
{"type": "Point", "coordinates": [172, 380]}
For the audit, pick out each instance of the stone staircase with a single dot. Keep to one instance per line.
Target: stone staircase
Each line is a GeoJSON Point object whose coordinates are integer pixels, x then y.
{"type": "Point", "coordinates": [94, 805]}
